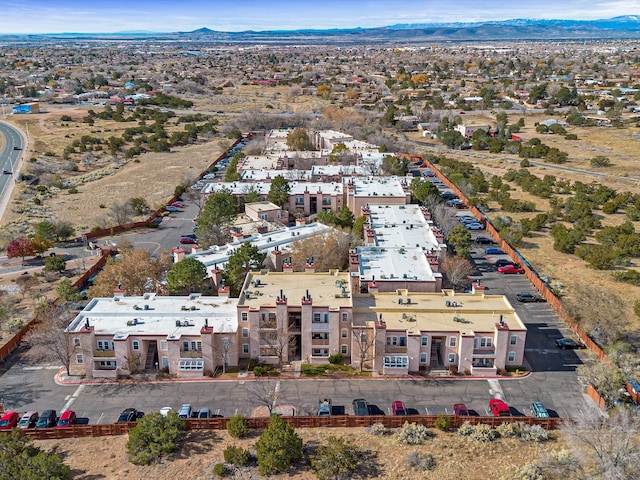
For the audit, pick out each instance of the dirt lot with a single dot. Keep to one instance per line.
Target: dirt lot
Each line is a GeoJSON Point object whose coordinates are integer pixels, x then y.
{"type": "Point", "coordinates": [105, 457]}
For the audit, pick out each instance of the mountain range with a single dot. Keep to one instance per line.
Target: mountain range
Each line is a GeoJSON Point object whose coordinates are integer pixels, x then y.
{"type": "Point", "coordinates": [621, 27]}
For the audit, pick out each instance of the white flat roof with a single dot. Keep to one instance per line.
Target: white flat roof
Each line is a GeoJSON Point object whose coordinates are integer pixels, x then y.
{"type": "Point", "coordinates": [296, 188]}
{"type": "Point", "coordinates": [264, 174]}
{"type": "Point", "coordinates": [378, 186]}
{"type": "Point", "coordinates": [345, 170]}
{"type": "Point", "coordinates": [402, 226]}
{"type": "Point", "coordinates": [118, 317]}
{"type": "Point", "coordinates": [219, 255]}
{"type": "Point", "coordinates": [395, 264]}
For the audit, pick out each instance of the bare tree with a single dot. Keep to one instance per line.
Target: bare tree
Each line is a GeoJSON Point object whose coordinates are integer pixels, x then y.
{"type": "Point", "coordinates": [278, 341]}
{"type": "Point", "coordinates": [221, 347]}
{"type": "Point", "coordinates": [265, 391]}
{"type": "Point", "coordinates": [134, 363]}
{"type": "Point", "coordinates": [121, 213]}
{"type": "Point", "coordinates": [607, 448]}
{"type": "Point", "coordinates": [48, 339]}
{"type": "Point", "coordinates": [364, 340]}
{"type": "Point", "coordinates": [606, 378]}
{"type": "Point", "coordinates": [457, 270]}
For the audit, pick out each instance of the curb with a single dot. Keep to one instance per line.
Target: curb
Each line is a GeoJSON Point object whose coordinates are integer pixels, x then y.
{"type": "Point", "coordinates": [59, 380]}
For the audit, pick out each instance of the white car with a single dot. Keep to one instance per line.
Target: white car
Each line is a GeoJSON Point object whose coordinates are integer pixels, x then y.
{"type": "Point", "coordinates": [164, 411]}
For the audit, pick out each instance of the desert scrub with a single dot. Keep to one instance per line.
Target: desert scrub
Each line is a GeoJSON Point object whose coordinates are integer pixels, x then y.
{"type": "Point", "coordinates": [377, 429]}
{"type": "Point", "coordinates": [535, 433]}
{"type": "Point", "coordinates": [413, 434]}
{"type": "Point", "coordinates": [483, 433]}
{"type": "Point", "coordinates": [511, 430]}
{"type": "Point", "coordinates": [237, 426]}
{"type": "Point", "coordinates": [420, 461]}
{"type": "Point", "coordinates": [465, 430]}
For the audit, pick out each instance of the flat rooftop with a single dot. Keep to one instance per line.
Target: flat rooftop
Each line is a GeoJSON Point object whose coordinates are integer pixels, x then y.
{"type": "Point", "coordinates": [118, 316]}
{"type": "Point", "coordinates": [378, 186]}
{"type": "Point", "coordinates": [408, 264]}
{"type": "Point", "coordinates": [402, 226]}
{"type": "Point", "coordinates": [253, 174]}
{"type": "Point", "coordinates": [326, 288]}
{"type": "Point", "coordinates": [473, 312]}
{"type": "Point", "coordinates": [296, 188]}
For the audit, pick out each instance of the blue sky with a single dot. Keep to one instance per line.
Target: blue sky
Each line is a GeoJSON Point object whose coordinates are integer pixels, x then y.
{"type": "Point", "coordinates": [57, 16]}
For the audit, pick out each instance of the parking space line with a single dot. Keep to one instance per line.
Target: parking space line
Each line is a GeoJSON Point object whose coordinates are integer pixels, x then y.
{"type": "Point", "coordinates": [75, 395]}
{"type": "Point", "coordinates": [495, 389]}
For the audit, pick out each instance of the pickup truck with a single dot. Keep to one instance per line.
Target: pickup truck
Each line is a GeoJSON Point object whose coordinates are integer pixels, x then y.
{"type": "Point", "coordinates": [324, 407]}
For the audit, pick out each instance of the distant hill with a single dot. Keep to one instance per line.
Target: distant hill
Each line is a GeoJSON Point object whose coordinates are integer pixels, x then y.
{"type": "Point", "coordinates": [622, 27]}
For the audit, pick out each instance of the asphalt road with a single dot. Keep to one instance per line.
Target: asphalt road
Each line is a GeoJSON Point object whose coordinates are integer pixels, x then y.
{"type": "Point", "coordinates": [9, 160]}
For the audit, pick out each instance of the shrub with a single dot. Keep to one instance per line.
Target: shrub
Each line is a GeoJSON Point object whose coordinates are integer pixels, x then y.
{"type": "Point", "coordinates": [37, 201]}
{"type": "Point", "coordinates": [413, 434]}
{"type": "Point", "coordinates": [535, 433]}
{"type": "Point", "coordinates": [420, 461]}
{"type": "Point", "coordinates": [335, 460]}
{"type": "Point", "coordinates": [154, 436]}
{"type": "Point", "coordinates": [73, 190]}
{"type": "Point", "coordinates": [220, 469]}
{"type": "Point", "coordinates": [511, 430]}
{"type": "Point", "coordinates": [237, 426]}
{"type": "Point", "coordinates": [465, 430]}
{"type": "Point", "coordinates": [528, 471]}
{"type": "Point", "coordinates": [483, 433]}
{"type": "Point", "coordinates": [335, 358]}
{"type": "Point", "coordinates": [377, 429]}
{"type": "Point", "coordinates": [278, 447]}
{"type": "Point", "coordinates": [237, 456]}
{"type": "Point", "coordinates": [443, 422]}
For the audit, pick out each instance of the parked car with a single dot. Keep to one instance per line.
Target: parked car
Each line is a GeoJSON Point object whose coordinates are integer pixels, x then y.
{"type": "Point", "coordinates": [501, 262]}
{"type": "Point", "coordinates": [177, 204]}
{"type": "Point", "coordinates": [67, 418]}
{"type": "Point", "coordinates": [324, 407]}
{"type": "Point", "coordinates": [204, 413]}
{"type": "Point", "coordinates": [467, 219]}
{"type": "Point", "coordinates": [484, 241]}
{"type": "Point", "coordinates": [188, 240]}
{"type": "Point", "coordinates": [525, 297]}
{"type": "Point", "coordinates": [190, 235]}
{"type": "Point", "coordinates": [461, 205]}
{"type": "Point", "coordinates": [453, 202]}
{"type": "Point", "coordinates": [17, 148]}
{"type": "Point", "coordinates": [360, 407]}
{"type": "Point", "coordinates": [510, 269]}
{"type": "Point", "coordinates": [9, 420]}
{"type": "Point", "coordinates": [567, 343]}
{"type": "Point", "coordinates": [185, 411]}
{"type": "Point", "coordinates": [164, 411]}
{"type": "Point", "coordinates": [28, 420]}
{"type": "Point", "coordinates": [171, 208]}
{"type": "Point", "coordinates": [48, 419]}
{"type": "Point", "coordinates": [6, 172]}
{"type": "Point", "coordinates": [129, 415]}
{"type": "Point", "coordinates": [474, 226]}
{"type": "Point", "coordinates": [499, 408]}
{"type": "Point", "coordinates": [398, 409]}
{"type": "Point", "coordinates": [538, 410]}
{"type": "Point", "coordinates": [460, 409]}
{"type": "Point", "coordinates": [493, 251]}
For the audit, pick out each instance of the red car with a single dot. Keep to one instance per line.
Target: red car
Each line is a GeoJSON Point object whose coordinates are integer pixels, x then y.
{"type": "Point", "coordinates": [9, 420]}
{"type": "Point", "coordinates": [499, 408]}
{"type": "Point", "coordinates": [67, 419]}
{"type": "Point", "coordinates": [460, 409]}
{"type": "Point", "coordinates": [188, 240]}
{"type": "Point", "coordinates": [177, 204]}
{"type": "Point", "coordinates": [510, 269]}
{"type": "Point", "coordinates": [397, 409]}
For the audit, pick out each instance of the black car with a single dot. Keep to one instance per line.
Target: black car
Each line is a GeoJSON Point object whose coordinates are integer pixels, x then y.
{"type": "Point", "coordinates": [48, 419]}
{"type": "Point", "coordinates": [525, 297]}
{"type": "Point", "coordinates": [501, 262]}
{"type": "Point", "coordinates": [484, 241]}
{"type": "Point", "coordinates": [567, 343]}
{"type": "Point", "coordinates": [129, 415]}
{"type": "Point", "coordinates": [17, 148]}
{"type": "Point", "coordinates": [6, 172]}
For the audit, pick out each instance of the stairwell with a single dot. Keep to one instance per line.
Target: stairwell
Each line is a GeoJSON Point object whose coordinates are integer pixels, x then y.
{"type": "Point", "coordinates": [149, 364]}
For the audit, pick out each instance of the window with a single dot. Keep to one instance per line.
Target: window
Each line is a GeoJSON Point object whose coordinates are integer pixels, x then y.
{"type": "Point", "coordinates": [245, 333]}
{"type": "Point", "coordinates": [513, 340]}
{"type": "Point", "coordinates": [344, 333]}
{"type": "Point", "coordinates": [452, 341]}
{"type": "Point", "coordinates": [190, 364]}
{"type": "Point", "coordinates": [486, 342]}
{"type": "Point", "coordinates": [344, 349]}
{"type": "Point", "coordinates": [396, 361]}
{"type": "Point", "coordinates": [319, 317]}
{"type": "Point", "coordinates": [76, 342]}
{"type": "Point", "coordinates": [424, 341]}
{"type": "Point", "coordinates": [452, 356]}
{"type": "Point", "coordinates": [511, 357]}
{"type": "Point", "coordinates": [107, 365]}
{"type": "Point", "coordinates": [135, 344]}
{"type": "Point", "coordinates": [104, 344]}
{"type": "Point", "coordinates": [163, 345]}
{"type": "Point", "coordinates": [245, 349]}
{"type": "Point", "coordinates": [423, 357]}
{"type": "Point", "coordinates": [326, 201]}
{"type": "Point", "coordinates": [185, 345]}
{"type": "Point", "coordinates": [299, 200]}
{"type": "Point", "coordinates": [316, 317]}
{"type": "Point", "coordinates": [400, 341]}
{"type": "Point", "coordinates": [165, 362]}
{"type": "Point", "coordinates": [79, 359]}
{"type": "Point", "coordinates": [244, 316]}
{"type": "Point", "coordinates": [320, 352]}
{"type": "Point", "coordinates": [345, 317]}
{"type": "Point", "coordinates": [196, 346]}
{"type": "Point", "coordinates": [320, 336]}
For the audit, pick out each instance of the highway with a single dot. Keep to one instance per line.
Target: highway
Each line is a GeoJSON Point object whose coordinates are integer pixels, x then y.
{"type": "Point", "coordinates": [9, 161]}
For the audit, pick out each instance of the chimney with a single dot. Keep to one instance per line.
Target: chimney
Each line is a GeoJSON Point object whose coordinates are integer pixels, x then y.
{"type": "Point", "coordinates": [310, 266]}
{"type": "Point", "coordinates": [178, 254]}
{"type": "Point", "coordinates": [120, 290]}
{"type": "Point", "coordinates": [300, 222]}
{"type": "Point", "coordinates": [287, 266]}
{"type": "Point", "coordinates": [276, 259]}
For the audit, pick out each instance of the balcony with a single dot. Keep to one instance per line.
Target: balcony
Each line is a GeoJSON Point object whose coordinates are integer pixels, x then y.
{"type": "Point", "coordinates": [483, 370]}
{"type": "Point", "coordinates": [484, 352]}
{"type": "Point", "coordinates": [395, 349]}
{"type": "Point", "coordinates": [320, 326]}
{"type": "Point", "coordinates": [104, 353]}
{"type": "Point", "coordinates": [105, 373]}
{"type": "Point", "coordinates": [268, 325]}
{"type": "Point", "coordinates": [190, 354]}
{"type": "Point", "coordinates": [319, 341]}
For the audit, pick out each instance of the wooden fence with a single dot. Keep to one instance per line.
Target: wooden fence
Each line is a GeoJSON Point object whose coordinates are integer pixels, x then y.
{"type": "Point", "coordinates": [345, 421]}
{"type": "Point", "coordinates": [531, 274]}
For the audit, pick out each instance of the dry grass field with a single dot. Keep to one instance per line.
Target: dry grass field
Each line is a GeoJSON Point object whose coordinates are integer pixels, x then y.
{"type": "Point", "coordinates": [456, 457]}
